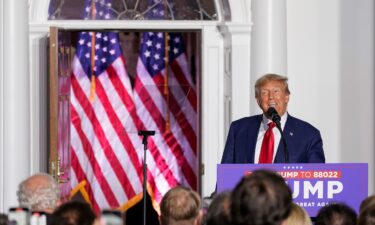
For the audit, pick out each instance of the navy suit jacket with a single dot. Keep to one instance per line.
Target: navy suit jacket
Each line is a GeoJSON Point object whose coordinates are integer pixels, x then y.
{"type": "Point", "coordinates": [304, 142]}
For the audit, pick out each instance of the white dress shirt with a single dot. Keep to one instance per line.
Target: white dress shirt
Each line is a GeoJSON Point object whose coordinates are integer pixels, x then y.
{"type": "Point", "coordinates": [262, 131]}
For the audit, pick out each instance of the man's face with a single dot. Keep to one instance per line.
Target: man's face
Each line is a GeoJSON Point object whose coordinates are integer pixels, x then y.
{"type": "Point", "coordinates": [272, 94]}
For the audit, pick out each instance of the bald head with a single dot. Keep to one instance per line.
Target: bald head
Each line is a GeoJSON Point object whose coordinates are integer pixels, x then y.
{"type": "Point", "coordinates": [39, 192]}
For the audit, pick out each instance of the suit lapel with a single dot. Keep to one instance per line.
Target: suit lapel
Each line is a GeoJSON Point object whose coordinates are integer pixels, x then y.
{"type": "Point", "coordinates": [252, 135]}
{"type": "Point", "coordinates": [288, 129]}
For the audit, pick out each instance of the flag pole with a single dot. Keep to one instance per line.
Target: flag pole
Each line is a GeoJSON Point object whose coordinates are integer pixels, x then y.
{"type": "Point", "coordinates": [93, 85]}
{"type": "Point", "coordinates": [166, 82]}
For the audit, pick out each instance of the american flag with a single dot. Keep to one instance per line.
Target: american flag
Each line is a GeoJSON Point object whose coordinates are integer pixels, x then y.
{"type": "Point", "coordinates": [166, 101]}
{"type": "Point", "coordinates": [102, 9]}
{"type": "Point", "coordinates": [106, 151]}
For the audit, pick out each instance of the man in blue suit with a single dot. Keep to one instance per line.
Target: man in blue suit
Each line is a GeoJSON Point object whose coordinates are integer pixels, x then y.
{"type": "Point", "coordinates": [245, 137]}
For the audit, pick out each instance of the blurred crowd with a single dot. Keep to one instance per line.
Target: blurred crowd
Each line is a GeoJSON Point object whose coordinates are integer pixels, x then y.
{"type": "Point", "coordinates": [261, 198]}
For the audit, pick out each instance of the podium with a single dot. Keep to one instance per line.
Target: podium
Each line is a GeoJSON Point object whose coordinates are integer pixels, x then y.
{"type": "Point", "coordinates": [313, 185]}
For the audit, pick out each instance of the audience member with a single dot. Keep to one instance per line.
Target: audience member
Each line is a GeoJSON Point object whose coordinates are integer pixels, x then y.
{"type": "Point", "coordinates": [369, 201]}
{"type": "Point", "coordinates": [218, 212]}
{"type": "Point", "coordinates": [3, 219]}
{"type": "Point", "coordinates": [39, 192]}
{"type": "Point", "coordinates": [262, 198]}
{"type": "Point", "coordinates": [298, 216]}
{"type": "Point", "coordinates": [180, 206]}
{"type": "Point", "coordinates": [336, 214]}
{"type": "Point", "coordinates": [74, 213]}
{"type": "Point", "coordinates": [367, 211]}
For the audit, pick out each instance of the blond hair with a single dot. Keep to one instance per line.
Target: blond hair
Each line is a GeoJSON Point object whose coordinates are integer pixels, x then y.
{"type": "Point", "coordinates": [270, 77]}
{"type": "Point", "coordinates": [298, 216]}
{"type": "Point", "coordinates": [180, 205]}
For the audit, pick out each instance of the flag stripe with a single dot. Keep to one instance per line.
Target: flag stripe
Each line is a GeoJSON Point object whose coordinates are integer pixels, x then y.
{"type": "Point", "coordinates": [99, 132]}
{"type": "Point", "coordinates": [153, 110]}
{"type": "Point", "coordinates": [169, 138]}
{"type": "Point", "coordinates": [153, 147]}
{"type": "Point", "coordinates": [91, 159]}
{"type": "Point", "coordinates": [181, 119]}
{"type": "Point", "coordinates": [154, 151]}
{"type": "Point", "coordinates": [182, 100]}
{"type": "Point", "coordinates": [116, 81]}
{"type": "Point", "coordinates": [182, 62]}
{"type": "Point", "coordinates": [88, 128]}
{"type": "Point", "coordinates": [121, 134]}
{"type": "Point", "coordinates": [81, 176]}
{"type": "Point", "coordinates": [181, 78]}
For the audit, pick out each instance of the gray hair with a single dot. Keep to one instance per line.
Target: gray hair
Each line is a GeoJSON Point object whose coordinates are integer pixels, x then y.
{"type": "Point", "coordinates": [42, 196]}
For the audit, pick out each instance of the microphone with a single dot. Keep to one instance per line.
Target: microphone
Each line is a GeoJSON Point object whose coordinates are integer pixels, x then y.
{"type": "Point", "coordinates": [274, 116]}
{"type": "Point", "coordinates": [146, 132]}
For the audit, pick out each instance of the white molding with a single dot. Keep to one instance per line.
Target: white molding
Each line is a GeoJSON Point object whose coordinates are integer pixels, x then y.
{"type": "Point", "coordinates": [1, 105]}
{"type": "Point", "coordinates": [38, 102]}
{"type": "Point", "coordinates": [239, 28]}
{"type": "Point", "coordinates": [38, 10]}
{"type": "Point", "coordinates": [16, 108]}
{"type": "Point", "coordinates": [212, 132]}
{"type": "Point", "coordinates": [118, 24]}
{"type": "Point", "coordinates": [219, 10]}
{"type": "Point", "coordinates": [240, 10]}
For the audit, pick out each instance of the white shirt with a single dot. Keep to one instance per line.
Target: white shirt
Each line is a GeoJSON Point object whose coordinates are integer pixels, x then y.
{"type": "Point", "coordinates": [262, 131]}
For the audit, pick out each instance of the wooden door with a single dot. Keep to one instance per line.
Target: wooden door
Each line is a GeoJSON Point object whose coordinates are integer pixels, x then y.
{"type": "Point", "coordinates": [60, 56]}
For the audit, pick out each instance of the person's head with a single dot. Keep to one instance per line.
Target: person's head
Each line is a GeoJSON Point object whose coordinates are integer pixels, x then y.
{"type": "Point", "coordinates": [3, 219]}
{"type": "Point", "coordinates": [271, 90]}
{"type": "Point", "coordinates": [336, 214]}
{"type": "Point", "coordinates": [261, 198]}
{"type": "Point", "coordinates": [39, 192]}
{"type": "Point", "coordinates": [367, 202]}
{"type": "Point", "coordinates": [180, 205]}
{"type": "Point", "coordinates": [298, 216]}
{"type": "Point", "coordinates": [367, 216]}
{"type": "Point", "coordinates": [73, 213]}
{"type": "Point", "coordinates": [218, 212]}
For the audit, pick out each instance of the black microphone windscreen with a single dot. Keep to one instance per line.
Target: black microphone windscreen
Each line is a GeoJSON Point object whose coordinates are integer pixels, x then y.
{"type": "Point", "coordinates": [273, 115]}
{"type": "Point", "coordinates": [271, 112]}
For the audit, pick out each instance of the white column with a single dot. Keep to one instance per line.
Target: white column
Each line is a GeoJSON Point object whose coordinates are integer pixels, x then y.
{"type": "Point", "coordinates": [15, 124]}
{"type": "Point", "coordinates": [237, 65]}
{"type": "Point", "coordinates": [213, 105]}
{"type": "Point", "coordinates": [240, 69]}
{"type": "Point", "coordinates": [268, 41]}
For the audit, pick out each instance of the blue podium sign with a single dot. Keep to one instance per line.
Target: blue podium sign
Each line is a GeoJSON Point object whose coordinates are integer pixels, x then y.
{"type": "Point", "coordinates": [313, 185]}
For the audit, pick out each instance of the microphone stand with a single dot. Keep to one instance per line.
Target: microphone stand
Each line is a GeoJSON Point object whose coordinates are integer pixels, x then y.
{"type": "Point", "coordinates": [145, 134]}
{"type": "Point", "coordinates": [274, 116]}
{"type": "Point", "coordinates": [286, 151]}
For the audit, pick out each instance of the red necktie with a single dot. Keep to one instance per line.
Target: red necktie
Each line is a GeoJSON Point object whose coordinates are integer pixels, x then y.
{"type": "Point", "coordinates": [266, 152]}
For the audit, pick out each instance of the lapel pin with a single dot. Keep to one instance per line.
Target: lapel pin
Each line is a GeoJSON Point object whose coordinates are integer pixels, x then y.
{"type": "Point", "coordinates": [291, 133]}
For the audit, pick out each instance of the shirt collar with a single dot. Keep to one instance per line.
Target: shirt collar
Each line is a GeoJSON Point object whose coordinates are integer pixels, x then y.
{"type": "Point", "coordinates": [265, 120]}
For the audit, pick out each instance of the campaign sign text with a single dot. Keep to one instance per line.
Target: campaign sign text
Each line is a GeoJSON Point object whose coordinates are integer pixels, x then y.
{"type": "Point", "coordinates": [313, 185]}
